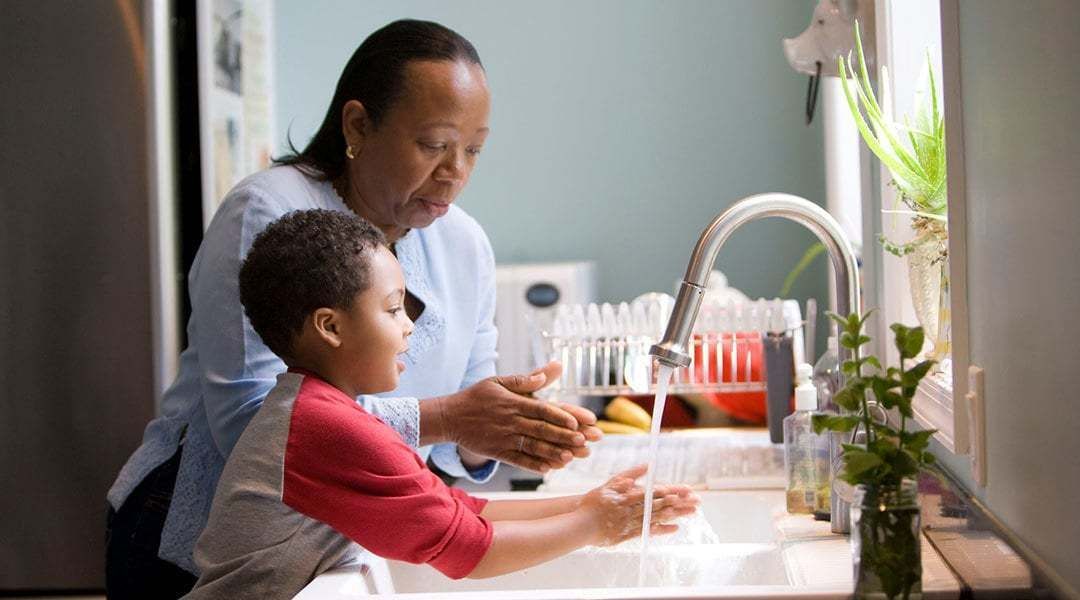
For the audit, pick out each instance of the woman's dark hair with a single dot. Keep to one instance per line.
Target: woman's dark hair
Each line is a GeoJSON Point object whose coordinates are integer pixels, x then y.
{"type": "Point", "coordinates": [306, 260]}
{"type": "Point", "coordinates": [375, 75]}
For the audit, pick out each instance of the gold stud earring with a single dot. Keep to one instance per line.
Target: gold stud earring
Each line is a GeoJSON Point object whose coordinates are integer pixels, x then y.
{"type": "Point", "coordinates": [349, 152]}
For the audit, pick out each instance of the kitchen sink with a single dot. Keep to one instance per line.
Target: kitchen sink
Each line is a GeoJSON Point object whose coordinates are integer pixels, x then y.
{"type": "Point", "coordinates": [743, 551]}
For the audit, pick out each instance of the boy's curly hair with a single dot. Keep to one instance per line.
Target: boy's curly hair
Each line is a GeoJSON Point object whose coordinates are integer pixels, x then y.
{"type": "Point", "coordinates": [303, 261]}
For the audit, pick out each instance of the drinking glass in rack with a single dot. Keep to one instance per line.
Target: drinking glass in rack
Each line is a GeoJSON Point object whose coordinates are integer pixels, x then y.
{"type": "Point", "coordinates": [600, 366]}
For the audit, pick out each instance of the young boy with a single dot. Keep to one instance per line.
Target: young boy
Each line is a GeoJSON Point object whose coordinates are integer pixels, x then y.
{"type": "Point", "coordinates": [314, 474]}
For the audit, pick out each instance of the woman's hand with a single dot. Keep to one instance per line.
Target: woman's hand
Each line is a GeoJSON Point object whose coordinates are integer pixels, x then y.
{"type": "Point", "coordinates": [617, 507]}
{"type": "Point", "coordinates": [497, 418]}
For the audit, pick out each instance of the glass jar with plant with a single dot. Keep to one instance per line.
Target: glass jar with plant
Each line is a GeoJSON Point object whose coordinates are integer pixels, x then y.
{"type": "Point", "coordinates": [885, 512]}
{"type": "Point", "coordinates": [914, 153]}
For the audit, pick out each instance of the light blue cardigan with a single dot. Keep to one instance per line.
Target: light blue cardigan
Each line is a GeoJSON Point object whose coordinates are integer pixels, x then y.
{"type": "Point", "coordinates": [226, 371]}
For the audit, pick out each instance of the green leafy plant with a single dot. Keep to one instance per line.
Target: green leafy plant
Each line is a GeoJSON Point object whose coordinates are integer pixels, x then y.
{"type": "Point", "coordinates": [913, 151]}
{"type": "Point", "coordinates": [888, 456]}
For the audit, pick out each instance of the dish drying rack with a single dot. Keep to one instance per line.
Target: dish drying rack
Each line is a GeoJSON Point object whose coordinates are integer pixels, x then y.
{"type": "Point", "coordinates": [604, 348]}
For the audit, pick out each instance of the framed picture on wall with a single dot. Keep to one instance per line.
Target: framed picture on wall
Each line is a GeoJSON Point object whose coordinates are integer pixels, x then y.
{"type": "Point", "coordinates": [235, 94]}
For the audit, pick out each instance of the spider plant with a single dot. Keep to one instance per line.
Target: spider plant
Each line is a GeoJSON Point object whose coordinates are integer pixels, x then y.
{"type": "Point", "coordinates": [913, 150]}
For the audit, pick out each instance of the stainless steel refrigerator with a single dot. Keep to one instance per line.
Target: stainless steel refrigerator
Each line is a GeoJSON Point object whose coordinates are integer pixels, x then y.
{"type": "Point", "coordinates": [87, 299]}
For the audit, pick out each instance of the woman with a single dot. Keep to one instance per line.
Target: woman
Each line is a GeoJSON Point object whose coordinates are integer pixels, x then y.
{"type": "Point", "coordinates": [399, 141]}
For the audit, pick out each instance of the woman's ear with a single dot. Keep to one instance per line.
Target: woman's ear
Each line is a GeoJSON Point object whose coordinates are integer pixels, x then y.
{"type": "Point", "coordinates": [355, 125]}
{"type": "Point", "coordinates": [327, 326]}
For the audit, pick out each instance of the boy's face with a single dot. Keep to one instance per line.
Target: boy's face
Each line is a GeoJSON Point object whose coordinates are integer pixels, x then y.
{"type": "Point", "coordinates": [375, 331]}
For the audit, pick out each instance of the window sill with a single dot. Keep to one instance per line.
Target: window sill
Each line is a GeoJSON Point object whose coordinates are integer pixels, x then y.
{"type": "Point", "coordinates": [935, 408]}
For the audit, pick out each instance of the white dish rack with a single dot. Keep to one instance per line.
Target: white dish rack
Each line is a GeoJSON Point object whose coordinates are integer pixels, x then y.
{"type": "Point", "coordinates": [604, 349]}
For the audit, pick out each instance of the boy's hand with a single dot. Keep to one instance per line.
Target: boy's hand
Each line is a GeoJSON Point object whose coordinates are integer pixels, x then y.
{"type": "Point", "coordinates": [617, 507]}
{"type": "Point", "coordinates": [497, 418]}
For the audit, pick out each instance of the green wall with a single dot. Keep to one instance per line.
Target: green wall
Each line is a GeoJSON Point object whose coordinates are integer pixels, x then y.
{"type": "Point", "coordinates": [619, 128]}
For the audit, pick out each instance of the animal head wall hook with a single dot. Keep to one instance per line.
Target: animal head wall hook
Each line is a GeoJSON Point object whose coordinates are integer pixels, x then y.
{"type": "Point", "coordinates": [829, 36]}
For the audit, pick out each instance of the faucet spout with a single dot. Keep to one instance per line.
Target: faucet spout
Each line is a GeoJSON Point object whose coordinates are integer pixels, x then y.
{"type": "Point", "coordinates": [673, 350]}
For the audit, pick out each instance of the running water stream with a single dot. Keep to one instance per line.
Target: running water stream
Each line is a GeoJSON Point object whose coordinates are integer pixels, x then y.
{"type": "Point", "coordinates": [662, 380]}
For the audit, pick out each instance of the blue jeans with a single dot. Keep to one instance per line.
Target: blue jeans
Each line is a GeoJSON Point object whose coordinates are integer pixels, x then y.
{"type": "Point", "coordinates": [132, 536]}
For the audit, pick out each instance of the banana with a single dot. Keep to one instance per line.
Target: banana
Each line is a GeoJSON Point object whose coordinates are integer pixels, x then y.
{"type": "Point", "coordinates": [623, 410]}
{"type": "Point", "coordinates": [613, 427]}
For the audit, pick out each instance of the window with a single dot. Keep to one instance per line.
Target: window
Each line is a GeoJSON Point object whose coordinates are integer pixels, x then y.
{"type": "Point", "coordinates": [904, 30]}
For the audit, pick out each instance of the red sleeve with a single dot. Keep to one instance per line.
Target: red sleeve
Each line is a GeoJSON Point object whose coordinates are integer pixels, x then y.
{"type": "Point", "coordinates": [349, 470]}
{"type": "Point", "coordinates": [475, 504]}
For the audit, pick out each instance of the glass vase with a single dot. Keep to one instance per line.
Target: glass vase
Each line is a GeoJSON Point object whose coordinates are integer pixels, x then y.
{"type": "Point", "coordinates": [885, 543]}
{"type": "Point", "coordinates": [924, 276]}
{"type": "Point", "coordinates": [928, 277]}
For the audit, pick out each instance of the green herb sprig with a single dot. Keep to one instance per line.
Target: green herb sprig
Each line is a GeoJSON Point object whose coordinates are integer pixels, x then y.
{"type": "Point", "coordinates": [889, 455]}
{"type": "Point", "coordinates": [889, 540]}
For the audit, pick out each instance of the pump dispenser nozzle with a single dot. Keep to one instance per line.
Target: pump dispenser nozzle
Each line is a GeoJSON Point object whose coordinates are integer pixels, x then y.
{"type": "Point", "coordinates": [805, 391]}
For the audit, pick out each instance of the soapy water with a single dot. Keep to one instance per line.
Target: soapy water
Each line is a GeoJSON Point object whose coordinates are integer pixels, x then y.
{"type": "Point", "coordinates": [662, 380]}
{"type": "Point", "coordinates": [685, 557]}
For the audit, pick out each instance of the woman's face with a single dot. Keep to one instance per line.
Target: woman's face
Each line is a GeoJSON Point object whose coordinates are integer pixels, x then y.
{"type": "Point", "coordinates": [409, 168]}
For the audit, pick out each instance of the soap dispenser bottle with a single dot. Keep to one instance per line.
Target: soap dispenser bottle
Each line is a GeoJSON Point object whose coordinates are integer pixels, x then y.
{"type": "Point", "coordinates": [805, 466]}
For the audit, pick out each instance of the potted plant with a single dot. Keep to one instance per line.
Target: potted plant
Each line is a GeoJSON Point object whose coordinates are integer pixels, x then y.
{"type": "Point", "coordinates": [914, 153]}
{"type": "Point", "coordinates": [885, 511]}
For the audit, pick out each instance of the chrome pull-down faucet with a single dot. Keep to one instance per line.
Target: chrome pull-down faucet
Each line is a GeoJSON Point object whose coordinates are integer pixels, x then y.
{"type": "Point", "coordinates": [673, 350]}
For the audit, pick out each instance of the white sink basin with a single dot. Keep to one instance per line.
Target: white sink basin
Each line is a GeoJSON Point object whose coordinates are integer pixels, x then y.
{"type": "Point", "coordinates": [747, 555]}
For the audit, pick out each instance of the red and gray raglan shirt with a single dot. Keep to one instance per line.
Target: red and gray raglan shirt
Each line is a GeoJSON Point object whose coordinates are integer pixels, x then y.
{"type": "Point", "coordinates": [312, 477]}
